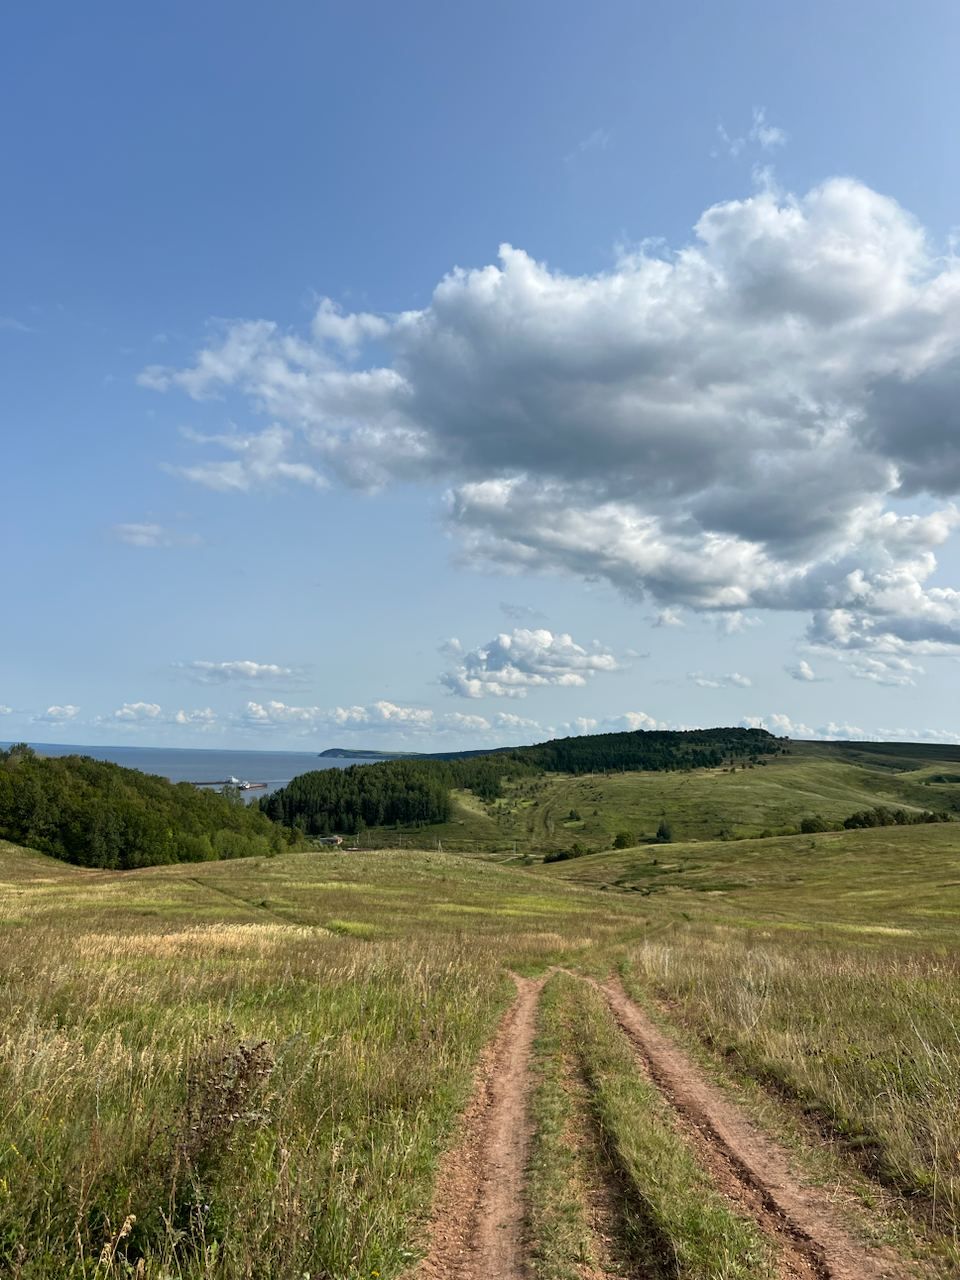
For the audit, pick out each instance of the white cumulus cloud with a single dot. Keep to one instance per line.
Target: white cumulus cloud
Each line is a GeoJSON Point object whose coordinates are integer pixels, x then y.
{"type": "Point", "coordinates": [802, 671]}
{"type": "Point", "coordinates": [236, 670]}
{"type": "Point", "coordinates": [138, 712]}
{"type": "Point", "coordinates": [201, 717]}
{"type": "Point", "coordinates": [515, 662]}
{"type": "Point", "coordinates": [721, 427]}
{"type": "Point", "coordinates": [732, 680]}
{"type": "Point", "coordinates": [58, 714]}
{"type": "Point", "coordinates": [377, 715]}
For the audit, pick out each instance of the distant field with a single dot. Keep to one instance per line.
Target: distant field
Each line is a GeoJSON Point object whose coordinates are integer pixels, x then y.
{"type": "Point", "coordinates": [887, 883]}
{"type": "Point", "coordinates": [769, 798]}
{"type": "Point", "coordinates": [253, 1069]}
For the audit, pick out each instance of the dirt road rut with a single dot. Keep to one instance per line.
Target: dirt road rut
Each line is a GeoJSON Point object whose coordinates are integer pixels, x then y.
{"type": "Point", "coordinates": [477, 1229]}
{"type": "Point", "coordinates": [751, 1169]}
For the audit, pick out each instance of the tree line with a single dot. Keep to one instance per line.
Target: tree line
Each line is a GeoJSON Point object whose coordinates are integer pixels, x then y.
{"type": "Point", "coordinates": [96, 814]}
{"type": "Point", "coordinates": [405, 792]}
{"type": "Point", "coordinates": [650, 749]}
{"type": "Point", "coordinates": [880, 816]}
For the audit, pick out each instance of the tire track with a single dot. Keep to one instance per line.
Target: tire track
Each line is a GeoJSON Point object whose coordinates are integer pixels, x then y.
{"type": "Point", "coordinates": [749, 1167]}
{"type": "Point", "coordinates": [477, 1232]}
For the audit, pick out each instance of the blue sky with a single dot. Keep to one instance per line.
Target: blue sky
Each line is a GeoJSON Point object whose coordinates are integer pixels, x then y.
{"type": "Point", "coordinates": [294, 453]}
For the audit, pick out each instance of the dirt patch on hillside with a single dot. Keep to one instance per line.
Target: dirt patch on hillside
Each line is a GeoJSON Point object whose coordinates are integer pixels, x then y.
{"type": "Point", "coordinates": [751, 1169]}
{"type": "Point", "coordinates": [477, 1232]}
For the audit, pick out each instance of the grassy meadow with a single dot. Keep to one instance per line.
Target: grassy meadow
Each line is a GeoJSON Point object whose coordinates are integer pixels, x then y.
{"type": "Point", "coordinates": [826, 968]}
{"type": "Point", "coordinates": [251, 1068]}
{"type": "Point", "coordinates": [556, 811]}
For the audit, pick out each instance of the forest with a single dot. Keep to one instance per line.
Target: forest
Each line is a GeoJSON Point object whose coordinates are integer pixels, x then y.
{"type": "Point", "coordinates": [412, 791]}
{"type": "Point", "coordinates": [95, 814]}
{"type": "Point", "coordinates": [651, 750]}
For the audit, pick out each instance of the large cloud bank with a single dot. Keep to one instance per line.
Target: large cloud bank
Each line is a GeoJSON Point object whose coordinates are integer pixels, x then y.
{"type": "Point", "coordinates": [719, 428]}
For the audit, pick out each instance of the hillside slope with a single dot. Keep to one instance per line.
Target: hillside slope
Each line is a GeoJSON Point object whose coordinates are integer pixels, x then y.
{"type": "Point", "coordinates": [555, 811]}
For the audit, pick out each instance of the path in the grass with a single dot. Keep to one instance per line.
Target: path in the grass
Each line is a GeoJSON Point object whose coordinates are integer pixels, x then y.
{"type": "Point", "coordinates": [751, 1169]}
{"type": "Point", "coordinates": [477, 1230]}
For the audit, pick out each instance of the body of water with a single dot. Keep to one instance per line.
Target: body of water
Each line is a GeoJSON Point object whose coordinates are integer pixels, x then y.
{"type": "Point", "coordinates": [275, 768]}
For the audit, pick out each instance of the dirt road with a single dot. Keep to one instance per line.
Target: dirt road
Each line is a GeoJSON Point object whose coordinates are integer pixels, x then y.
{"type": "Point", "coordinates": [477, 1229]}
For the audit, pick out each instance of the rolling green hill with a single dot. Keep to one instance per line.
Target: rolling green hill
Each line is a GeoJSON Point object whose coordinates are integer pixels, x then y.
{"type": "Point", "coordinates": [555, 811]}
{"type": "Point", "coordinates": [338, 1003]}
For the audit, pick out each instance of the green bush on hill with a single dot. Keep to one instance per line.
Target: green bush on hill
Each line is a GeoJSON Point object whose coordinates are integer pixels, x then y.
{"type": "Point", "coordinates": [884, 817]}
{"type": "Point", "coordinates": [96, 814]}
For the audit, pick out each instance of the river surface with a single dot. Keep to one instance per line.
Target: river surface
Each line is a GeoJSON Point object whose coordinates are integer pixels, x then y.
{"type": "Point", "coordinates": [275, 768]}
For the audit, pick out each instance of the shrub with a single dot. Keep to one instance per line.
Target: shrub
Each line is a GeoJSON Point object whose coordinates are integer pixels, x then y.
{"type": "Point", "coordinates": [623, 840]}
{"type": "Point", "coordinates": [810, 826]}
{"type": "Point", "coordinates": [664, 832]}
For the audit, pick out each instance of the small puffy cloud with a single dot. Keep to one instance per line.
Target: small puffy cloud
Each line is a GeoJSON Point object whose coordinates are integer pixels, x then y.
{"type": "Point", "coordinates": [736, 622]}
{"type": "Point", "coordinates": [138, 712]}
{"type": "Point", "coordinates": [733, 680]}
{"type": "Point", "coordinates": [626, 722]}
{"type": "Point", "coordinates": [580, 724]}
{"type": "Point", "coordinates": [782, 726]}
{"type": "Point", "coordinates": [512, 664]}
{"type": "Point", "coordinates": [631, 721]}
{"type": "Point", "coordinates": [668, 618]}
{"type": "Point", "coordinates": [888, 669]}
{"type": "Point", "coordinates": [136, 716]}
{"type": "Point", "coordinates": [259, 459]}
{"type": "Point", "coordinates": [5, 711]}
{"type": "Point", "coordinates": [766, 135]}
{"type": "Point", "coordinates": [199, 717]}
{"type": "Point", "coordinates": [238, 670]}
{"type": "Point", "coordinates": [849, 732]}
{"type": "Point", "coordinates": [466, 724]}
{"type": "Point", "coordinates": [506, 720]}
{"type": "Point", "coordinates": [58, 714]}
{"type": "Point", "coordinates": [152, 535]}
{"type": "Point", "coordinates": [761, 133]}
{"type": "Point", "coordinates": [802, 671]}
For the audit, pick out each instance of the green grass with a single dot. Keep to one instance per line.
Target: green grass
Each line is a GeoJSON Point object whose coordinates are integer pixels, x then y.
{"type": "Point", "coordinates": [561, 1236]}
{"type": "Point", "coordinates": [825, 968]}
{"type": "Point", "coordinates": [679, 1224]}
{"type": "Point", "coordinates": [886, 887]}
{"type": "Point", "coordinates": [597, 1121]}
{"type": "Point", "coordinates": [130, 1005]}
{"type": "Point", "coordinates": [338, 1002]}
{"type": "Point", "coordinates": [770, 798]}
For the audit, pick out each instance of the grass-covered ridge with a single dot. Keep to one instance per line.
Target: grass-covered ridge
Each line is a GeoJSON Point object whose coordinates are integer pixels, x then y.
{"type": "Point", "coordinates": [96, 814]}
{"type": "Point", "coordinates": [768, 796]}
{"type": "Point", "coordinates": [417, 793]}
